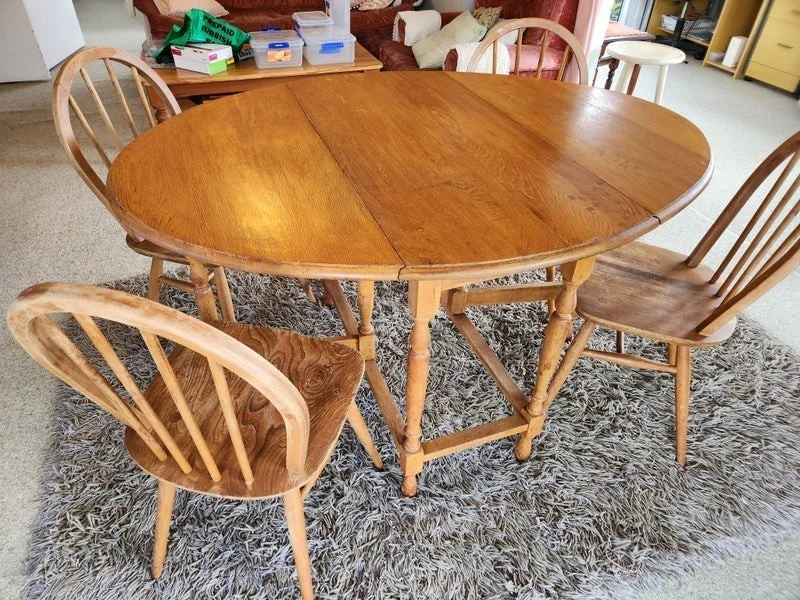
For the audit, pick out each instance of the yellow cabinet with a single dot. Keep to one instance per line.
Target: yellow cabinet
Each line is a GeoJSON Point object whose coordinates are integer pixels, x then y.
{"type": "Point", "coordinates": [776, 56]}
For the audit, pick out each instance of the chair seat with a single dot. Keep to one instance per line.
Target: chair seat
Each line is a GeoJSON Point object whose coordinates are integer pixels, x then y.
{"type": "Point", "coordinates": [327, 376]}
{"type": "Point", "coordinates": [151, 250]}
{"type": "Point", "coordinates": [649, 291]}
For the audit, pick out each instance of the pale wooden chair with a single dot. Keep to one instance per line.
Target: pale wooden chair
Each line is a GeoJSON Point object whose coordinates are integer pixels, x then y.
{"type": "Point", "coordinates": [138, 115]}
{"type": "Point", "coordinates": [573, 50]}
{"type": "Point", "coordinates": [648, 291]}
{"type": "Point", "coordinates": [457, 301]}
{"type": "Point", "coordinates": [234, 411]}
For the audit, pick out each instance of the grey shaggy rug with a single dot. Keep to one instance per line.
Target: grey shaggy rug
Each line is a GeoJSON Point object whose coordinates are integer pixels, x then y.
{"type": "Point", "coordinates": [599, 509]}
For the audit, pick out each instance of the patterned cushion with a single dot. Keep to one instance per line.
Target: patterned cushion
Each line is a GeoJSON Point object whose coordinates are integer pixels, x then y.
{"type": "Point", "coordinates": [487, 15]}
{"type": "Point", "coordinates": [431, 51]}
{"type": "Point", "coordinates": [374, 4]}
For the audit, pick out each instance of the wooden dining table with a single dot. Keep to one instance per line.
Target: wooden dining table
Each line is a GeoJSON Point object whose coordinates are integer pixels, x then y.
{"type": "Point", "coordinates": [440, 179]}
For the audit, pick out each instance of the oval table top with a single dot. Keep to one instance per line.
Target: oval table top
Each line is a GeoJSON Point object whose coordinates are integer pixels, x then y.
{"type": "Point", "coordinates": [408, 175]}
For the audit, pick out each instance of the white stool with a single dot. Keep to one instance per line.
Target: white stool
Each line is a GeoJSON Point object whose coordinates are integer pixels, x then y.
{"type": "Point", "coordinates": [644, 53]}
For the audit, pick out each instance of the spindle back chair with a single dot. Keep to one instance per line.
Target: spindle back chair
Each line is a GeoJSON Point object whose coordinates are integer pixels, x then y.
{"type": "Point", "coordinates": [655, 293]}
{"type": "Point", "coordinates": [573, 49]}
{"type": "Point", "coordinates": [105, 116]}
{"type": "Point", "coordinates": [234, 410]}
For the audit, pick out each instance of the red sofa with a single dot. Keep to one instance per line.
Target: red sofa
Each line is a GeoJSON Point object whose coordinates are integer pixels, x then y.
{"type": "Point", "coordinates": [396, 56]}
{"type": "Point", "coordinates": [371, 27]}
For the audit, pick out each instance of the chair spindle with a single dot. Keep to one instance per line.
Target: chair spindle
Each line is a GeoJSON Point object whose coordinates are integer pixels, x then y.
{"type": "Point", "coordinates": [89, 131]}
{"type": "Point", "coordinates": [121, 96]}
{"type": "Point", "coordinates": [753, 221]}
{"type": "Point", "coordinates": [101, 107]}
{"type": "Point", "coordinates": [148, 108]}
{"type": "Point", "coordinates": [174, 389]}
{"type": "Point", "coordinates": [107, 352]}
{"type": "Point", "coordinates": [228, 410]}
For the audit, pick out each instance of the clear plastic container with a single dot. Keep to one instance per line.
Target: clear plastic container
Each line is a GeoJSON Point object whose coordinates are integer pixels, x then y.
{"type": "Point", "coordinates": [311, 19]}
{"type": "Point", "coordinates": [339, 11]}
{"type": "Point", "coordinates": [277, 49]}
{"type": "Point", "coordinates": [326, 45]}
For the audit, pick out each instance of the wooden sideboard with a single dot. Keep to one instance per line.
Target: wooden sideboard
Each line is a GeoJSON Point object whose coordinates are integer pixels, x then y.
{"type": "Point", "coordinates": [776, 53]}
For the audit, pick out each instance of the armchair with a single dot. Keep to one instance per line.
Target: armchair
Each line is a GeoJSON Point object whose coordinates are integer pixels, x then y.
{"type": "Point", "coordinates": [396, 56]}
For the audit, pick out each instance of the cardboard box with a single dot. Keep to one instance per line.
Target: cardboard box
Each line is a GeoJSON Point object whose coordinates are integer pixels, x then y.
{"type": "Point", "coordinates": [203, 58]}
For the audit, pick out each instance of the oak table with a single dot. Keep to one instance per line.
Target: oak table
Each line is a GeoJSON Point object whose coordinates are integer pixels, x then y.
{"type": "Point", "coordinates": [244, 76]}
{"type": "Point", "coordinates": [440, 179]}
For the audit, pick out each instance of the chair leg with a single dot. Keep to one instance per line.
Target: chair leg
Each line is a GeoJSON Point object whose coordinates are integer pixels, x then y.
{"type": "Point", "coordinates": [154, 286]}
{"type": "Point", "coordinates": [621, 342]}
{"type": "Point", "coordinates": [306, 285]}
{"type": "Point", "coordinates": [224, 295]}
{"type": "Point", "coordinates": [357, 423]}
{"type": "Point", "coordinates": [166, 500]}
{"type": "Point", "coordinates": [550, 275]}
{"type": "Point", "coordinates": [683, 378]}
{"type": "Point", "coordinates": [672, 350]}
{"type": "Point", "coordinates": [293, 504]}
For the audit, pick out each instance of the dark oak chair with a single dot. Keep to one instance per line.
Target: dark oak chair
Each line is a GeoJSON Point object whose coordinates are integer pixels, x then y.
{"type": "Point", "coordinates": [652, 292]}
{"type": "Point", "coordinates": [234, 411]}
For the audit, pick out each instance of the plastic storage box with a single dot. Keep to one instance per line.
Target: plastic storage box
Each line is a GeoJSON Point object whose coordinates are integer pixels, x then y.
{"type": "Point", "coordinates": [311, 19]}
{"type": "Point", "coordinates": [276, 49]}
{"type": "Point", "coordinates": [326, 45]}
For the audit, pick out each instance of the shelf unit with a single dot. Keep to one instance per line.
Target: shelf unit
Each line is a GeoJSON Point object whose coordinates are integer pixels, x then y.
{"type": "Point", "coordinates": [738, 17]}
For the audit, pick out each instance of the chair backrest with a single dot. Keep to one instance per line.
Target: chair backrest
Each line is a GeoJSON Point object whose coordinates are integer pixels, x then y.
{"type": "Point", "coordinates": [768, 248]}
{"type": "Point", "coordinates": [40, 335]}
{"type": "Point", "coordinates": [563, 12]}
{"type": "Point", "coordinates": [546, 58]}
{"type": "Point", "coordinates": [103, 103]}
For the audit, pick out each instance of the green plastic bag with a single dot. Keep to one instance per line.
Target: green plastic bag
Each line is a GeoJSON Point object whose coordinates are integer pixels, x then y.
{"type": "Point", "coordinates": [200, 27]}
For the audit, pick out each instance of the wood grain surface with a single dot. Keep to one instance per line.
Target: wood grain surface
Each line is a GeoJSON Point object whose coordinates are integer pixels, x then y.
{"type": "Point", "coordinates": [409, 175]}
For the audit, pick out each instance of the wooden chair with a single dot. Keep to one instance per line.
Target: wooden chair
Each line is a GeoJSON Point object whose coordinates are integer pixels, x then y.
{"type": "Point", "coordinates": [573, 48]}
{"type": "Point", "coordinates": [234, 411]}
{"type": "Point", "coordinates": [648, 291]}
{"type": "Point", "coordinates": [137, 115]}
{"type": "Point", "coordinates": [459, 300]}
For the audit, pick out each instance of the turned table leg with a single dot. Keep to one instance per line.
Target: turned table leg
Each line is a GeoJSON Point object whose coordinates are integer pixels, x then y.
{"type": "Point", "coordinates": [161, 111]}
{"type": "Point", "coordinates": [206, 304]}
{"type": "Point", "coordinates": [559, 327]}
{"type": "Point", "coordinates": [423, 300]}
{"type": "Point", "coordinates": [366, 332]}
{"type": "Point", "coordinates": [612, 68]}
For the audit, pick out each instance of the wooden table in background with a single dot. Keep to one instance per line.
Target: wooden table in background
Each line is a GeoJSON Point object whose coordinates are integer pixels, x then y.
{"type": "Point", "coordinates": [245, 76]}
{"type": "Point", "coordinates": [440, 179]}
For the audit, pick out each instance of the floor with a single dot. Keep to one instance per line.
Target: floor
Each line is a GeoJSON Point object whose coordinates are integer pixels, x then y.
{"type": "Point", "coordinates": [53, 229]}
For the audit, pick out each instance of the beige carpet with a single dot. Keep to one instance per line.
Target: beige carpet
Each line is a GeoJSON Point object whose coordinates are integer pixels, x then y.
{"type": "Point", "coordinates": [53, 228]}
